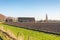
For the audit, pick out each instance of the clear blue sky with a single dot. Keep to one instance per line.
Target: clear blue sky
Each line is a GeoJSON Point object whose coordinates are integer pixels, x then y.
{"type": "Point", "coordinates": [31, 8]}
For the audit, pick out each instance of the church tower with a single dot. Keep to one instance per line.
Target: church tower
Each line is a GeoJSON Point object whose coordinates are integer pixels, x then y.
{"type": "Point", "coordinates": [46, 20]}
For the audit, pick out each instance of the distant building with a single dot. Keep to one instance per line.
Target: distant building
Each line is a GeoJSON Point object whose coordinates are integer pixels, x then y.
{"type": "Point", "coordinates": [46, 20]}
{"type": "Point", "coordinates": [9, 19]}
{"type": "Point", "coordinates": [26, 19]}
{"type": "Point", "coordinates": [2, 17]}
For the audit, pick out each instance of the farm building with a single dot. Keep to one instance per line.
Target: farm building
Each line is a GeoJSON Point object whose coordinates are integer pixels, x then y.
{"type": "Point", "coordinates": [26, 19]}
{"type": "Point", "coordinates": [9, 19]}
{"type": "Point", "coordinates": [2, 17]}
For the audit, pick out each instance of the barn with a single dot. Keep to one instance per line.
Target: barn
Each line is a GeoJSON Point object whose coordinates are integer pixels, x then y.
{"type": "Point", "coordinates": [26, 19]}
{"type": "Point", "coordinates": [2, 17]}
{"type": "Point", "coordinates": [9, 19]}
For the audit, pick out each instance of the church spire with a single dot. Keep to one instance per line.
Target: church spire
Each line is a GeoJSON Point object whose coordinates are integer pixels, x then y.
{"type": "Point", "coordinates": [46, 18]}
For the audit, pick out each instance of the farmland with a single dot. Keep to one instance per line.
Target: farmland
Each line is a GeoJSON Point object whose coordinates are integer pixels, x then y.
{"type": "Point", "coordinates": [29, 34]}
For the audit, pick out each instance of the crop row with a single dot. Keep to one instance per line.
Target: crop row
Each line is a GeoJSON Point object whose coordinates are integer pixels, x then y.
{"type": "Point", "coordinates": [46, 27]}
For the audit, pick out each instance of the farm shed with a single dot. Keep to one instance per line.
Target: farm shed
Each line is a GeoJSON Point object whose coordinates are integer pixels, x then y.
{"type": "Point", "coordinates": [26, 19]}
{"type": "Point", "coordinates": [2, 17]}
{"type": "Point", "coordinates": [9, 19]}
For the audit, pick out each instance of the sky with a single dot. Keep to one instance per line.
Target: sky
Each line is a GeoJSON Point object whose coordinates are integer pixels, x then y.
{"type": "Point", "coordinates": [31, 8]}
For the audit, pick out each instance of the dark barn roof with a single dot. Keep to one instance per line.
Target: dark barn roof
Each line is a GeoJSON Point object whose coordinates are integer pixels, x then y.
{"type": "Point", "coordinates": [26, 18]}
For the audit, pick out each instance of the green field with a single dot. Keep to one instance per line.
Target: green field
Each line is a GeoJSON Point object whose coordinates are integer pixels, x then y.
{"type": "Point", "coordinates": [29, 34]}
